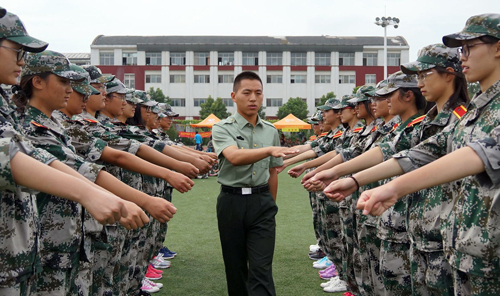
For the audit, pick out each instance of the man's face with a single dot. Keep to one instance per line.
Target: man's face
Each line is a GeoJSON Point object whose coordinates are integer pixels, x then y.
{"type": "Point", "coordinates": [248, 98]}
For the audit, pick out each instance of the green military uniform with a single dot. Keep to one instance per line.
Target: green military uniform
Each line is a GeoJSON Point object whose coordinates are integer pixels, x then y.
{"type": "Point", "coordinates": [245, 207]}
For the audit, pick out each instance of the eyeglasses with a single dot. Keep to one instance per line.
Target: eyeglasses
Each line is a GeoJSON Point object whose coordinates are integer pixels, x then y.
{"type": "Point", "coordinates": [465, 50]}
{"type": "Point", "coordinates": [119, 97]}
{"type": "Point", "coordinates": [421, 77]}
{"type": "Point", "coordinates": [21, 53]}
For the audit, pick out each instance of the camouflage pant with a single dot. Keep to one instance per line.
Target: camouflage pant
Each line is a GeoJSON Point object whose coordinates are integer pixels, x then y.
{"type": "Point", "coordinates": [83, 279]}
{"type": "Point", "coordinates": [102, 282]}
{"type": "Point", "coordinates": [430, 273]}
{"type": "Point", "coordinates": [57, 282]}
{"type": "Point", "coordinates": [114, 262]}
{"type": "Point", "coordinates": [315, 214]}
{"type": "Point", "coordinates": [348, 243]}
{"type": "Point", "coordinates": [123, 264]}
{"type": "Point", "coordinates": [138, 265]}
{"type": "Point", "coordinates": [367, 262]}
{"type": "Point", "coordinates": [24, 288]}
{"type": "Point", "coordinates": [469, 284]}
{"type": "Point", "coordinates": [395, 268]}
{"type": "Point", "coordinates": [332, 232]}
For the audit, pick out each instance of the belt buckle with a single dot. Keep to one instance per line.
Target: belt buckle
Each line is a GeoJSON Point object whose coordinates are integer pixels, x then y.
{"type": "Point", "coordinates": [246, 191]}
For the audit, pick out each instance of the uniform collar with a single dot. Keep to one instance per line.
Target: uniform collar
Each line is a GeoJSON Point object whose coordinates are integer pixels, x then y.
{"type": "Point", "coordinates": [482, 99]}
{"type": "Point", "coordinates": [40, 118]}
{"type": "Point", "coordinates": [242, 122]}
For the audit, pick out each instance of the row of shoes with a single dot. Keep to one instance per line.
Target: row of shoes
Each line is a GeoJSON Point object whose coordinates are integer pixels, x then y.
{"type": "Point", "coordinates": [154, 271]}
{"type": "Point", "coordinates": [327, 272]}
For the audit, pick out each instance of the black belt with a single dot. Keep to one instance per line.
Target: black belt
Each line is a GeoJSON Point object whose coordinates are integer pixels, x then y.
{"type": "Point", "coordinates": [245, 190]}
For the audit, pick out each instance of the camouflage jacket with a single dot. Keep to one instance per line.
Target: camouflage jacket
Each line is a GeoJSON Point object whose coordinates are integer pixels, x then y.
{"type": "Point", "coordinates": [142, 134]}
{"type": "Point", "coordinates": [18, 212]}
{"type": "Point", "coordinates": [330, 141]}
{"type": "Point", "coordinates": [61, 225]}
{"type": "Point", "coordinates": [357, 148]}
{"type": "Point", "coordinates": [471, 228]}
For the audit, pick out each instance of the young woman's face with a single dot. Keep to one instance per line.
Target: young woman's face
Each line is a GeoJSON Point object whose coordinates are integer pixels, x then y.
{"type": "Point", "coordinates": [434, 85]}
{"type": "Point", "coordinates": [96, 102]}
{"type": "Point", "coordinates": [55, 92]}
{"type": "Point", "coordinates": [481, 61]}
{"type": "Point", "coordinates": [76, 105]}
{"type": "Point", "coordinates": [361, 111]}
{"type": "Point", "coordinates": [166, 122]}
{"type": "Point", "coordinates": [347, 114]}
{"type": "Point", "coordinates": [395, 104]}
{"type": "Point", "coordinates": [115, 103]}
{"type": "Point", "coordinates": [129, 110]}
{"type": "Point", "coordinates": [380, 107]}
{"type": "Point", "coordinates": [10, 67]}
{"type": "Point", "coordinates": [152, 121]}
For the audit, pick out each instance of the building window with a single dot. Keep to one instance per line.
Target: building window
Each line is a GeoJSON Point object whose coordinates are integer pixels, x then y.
{"type": "Point", "coordinates": [198, 102]}
{"type": "Point", "coordinates": [250, 59]}
{"type": "Point", "coordinates": [298, 59]}
{"type": "Point", "coordinates": [274, 58]}
{"type": "Point", "coordinates": [107, 58]}
{"type": "Point", "coordinates": [129, 80]}
{"type": "Point", "coordinates": [154, 78]}
{"type": "Point", "coordinates": [153, 58]}
{"type": "Point", "coordinates": [202, 78]}
{"type": "Point", "coordinates": [178, 78]}
{"type": "Point", "coordinates": [274, 78]}
{"type": "Point", "coordinates": [370, 79]}
{"type": "Point", "coordinates": [228, 102]}
{"type": "Point", "coordinates": [346, 59]}
{"type": "Point", "coordinates": [322, 59]}
{"type": "Point", "coordinates": [226, 78]}
{"type": "Point", "coordinates": [226, 59]}
{"type": "Point", "coordinates": [322, 79]}
{"type": "Point", "coordinates": [274, 102]}
{"type": "Point", "coordinates": [393, 59]}
{"type": "Point", "coordinates": [177, 58]}
{"type": "Point", "coordinates": [370, 59]}
{"type": "Point", "coordinates": [202, 58]}
{"type": "Point", "coordinates": [178, 102]}
{"type": "Point", "coordinates": [343, 79]}
{"type": "Point", "coordinates": [298, 79]}
{"type": "Point", "coordinates": [129, 58]}
{"type": "Point", "coordinates": [316, 102]}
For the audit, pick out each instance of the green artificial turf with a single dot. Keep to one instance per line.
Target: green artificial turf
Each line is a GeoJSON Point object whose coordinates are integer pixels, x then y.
{"type": "Point", "coordinates": [198, 268]}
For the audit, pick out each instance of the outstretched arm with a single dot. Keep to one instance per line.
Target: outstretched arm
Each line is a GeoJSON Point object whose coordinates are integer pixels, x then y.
{"type": "Point", "coordinates": [248, 156]}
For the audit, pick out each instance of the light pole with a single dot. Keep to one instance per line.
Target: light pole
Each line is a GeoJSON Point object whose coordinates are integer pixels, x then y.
{"type": "Point", "coordinates": [384, 22]}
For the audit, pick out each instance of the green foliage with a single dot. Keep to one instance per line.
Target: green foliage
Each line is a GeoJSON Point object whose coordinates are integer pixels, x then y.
{"type": "Point", "coordinates": [295, 106]}
{"type": "Point", "coordinates": [354, 90]}
{"type": "Point", "coordinates": [216, 107]}
{"type": "Point", "coordinates": [158, 96]}
{"type": "Point", "coordinates": [261, 112]}
{"type": "Point", "coordinates": [324, 98]}
{"type": "Point", "coordinates": [473, 88]}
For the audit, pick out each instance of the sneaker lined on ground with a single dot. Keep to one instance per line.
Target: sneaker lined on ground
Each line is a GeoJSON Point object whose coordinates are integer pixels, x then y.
{"type": "Point", "coordinates": [148, 288]}
{"type": "Point", "coordinates": [165, 254]}
{"type": "Point", "coordinates": [323, 264]}
{"type": "Point", "coordinates": [328, 273]}
{"type": "Point", "coordinates": [316, 255]}
{"type": "Point", "coordinates": [336, 286]}
{"type": "Point", "coordinates": [159, 285]}
{"type": "Point", "coordinates": [328, 283]}
{"type": "Point", "coordinates": [159, 262]}
{"type": "Point", "coordinates": [143, 293]}
{"type": "Point", "coordinates": [152, 276]}
{"type": "Point", "coordinates": [348, 294]}
{"type": "Point", "coordinates": [321, 260]}
{"type": "Point", "coordinates": [153, 269]}
{"type": "Point", "coordinates": [313, 248]}
{"type": "Point", "coordinates": [165, 251]}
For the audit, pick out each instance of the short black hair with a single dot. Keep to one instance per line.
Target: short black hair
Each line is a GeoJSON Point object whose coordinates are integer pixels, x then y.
{"type": "Point", "coordinates": [245, 75]}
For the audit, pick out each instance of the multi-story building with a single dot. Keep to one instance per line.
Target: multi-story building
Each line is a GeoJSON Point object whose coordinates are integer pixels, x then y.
{"type": "Point", "coordinates": [189, 69]}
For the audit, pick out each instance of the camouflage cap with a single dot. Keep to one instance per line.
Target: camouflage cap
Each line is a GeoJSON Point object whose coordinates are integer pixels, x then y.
{"type": "Point", "coordinates": [11, 28]}
{"type": "Point", "coordinates": [49, 61]}
{"type": "Point", "coordinates": [3, 12]}
{"type": "Point", "coordinates": [116, 86]}
{"type": "Point", "coordinates": [96, 75]}
{"type": "Point", "coordinates": [346, 102]}
{"type": "Point", "coordinates": [329, 104]}
{"type": "Point", "coordinates": [434, 55]}
{"type": "Point", "coordinates": [162, 115]}
{"type": "Point", "coordinates": [167, 110]}
{"type": "Point", "coordinates": [475, 27]}
{"type": "Point", "coordinates": [83, 87]}
{"type": "Point", "coordinates": [146, 99]}
{"type": "Point", "coordinates": [155, 109]}
{"type": "Point", "coordinates": [396, 81]}
{"type": "Point", "coordinates": [363, 94]}
{"type": "Point", "coordinates": [380, 85]}
{"type": "Point", "coordinates": [131, 97]}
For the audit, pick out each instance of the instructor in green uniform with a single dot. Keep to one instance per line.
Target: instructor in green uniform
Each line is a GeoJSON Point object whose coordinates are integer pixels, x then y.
{"type": "Point", "coordinates": [249, 151]}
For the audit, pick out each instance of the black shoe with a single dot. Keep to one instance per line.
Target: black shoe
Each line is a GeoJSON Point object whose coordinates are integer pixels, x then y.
{"type": "Point", "coordinates": [316, 255]}
{"type": "Point", "coordinates": [143, 293]}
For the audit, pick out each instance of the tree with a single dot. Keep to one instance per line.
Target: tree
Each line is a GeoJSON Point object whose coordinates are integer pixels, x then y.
{"type": "Point", "coordinates": [158, 96]}
{"type": "Point", "coordinates": [355, 90]}
{"type": "Point", "coordinates": [261, 112]}
{"type": "Point", "coordinates": [217, 107]}
{"type": "Point", "coordinates": [473, 88]}
{"type": "Point", "coordinates": [325, 98]}
{"type": "Point", "coordinates": [295, 106]}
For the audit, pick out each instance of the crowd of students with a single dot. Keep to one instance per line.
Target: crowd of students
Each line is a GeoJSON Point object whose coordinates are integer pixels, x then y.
{"type": "Point", "coordinates": [436, 229]}
{"type": "Point", "coordinates": [87, 174]}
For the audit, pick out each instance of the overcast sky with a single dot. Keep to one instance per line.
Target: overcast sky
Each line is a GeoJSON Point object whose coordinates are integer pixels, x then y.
{"type": "Point", "coordinates": [70, 26]}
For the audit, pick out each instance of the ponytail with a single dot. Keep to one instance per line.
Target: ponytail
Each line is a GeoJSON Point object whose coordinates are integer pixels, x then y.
{"type": "Point", "coordinates": [24, 91]}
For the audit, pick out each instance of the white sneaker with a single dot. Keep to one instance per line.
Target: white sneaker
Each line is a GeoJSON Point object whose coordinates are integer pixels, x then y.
{"type": "Point", "coordinates": [313, 248]}
{"type": "Point", "coordinates": [337, 286]}
{"type": "Point", "coordinates": [329, 282]}
{"type": "Point", "coordinates": [160, 263]}
{"type": "Point", "coordinates": [150, 282]}
{"type": "Point", "coordinates": [323, 264]}
{"type": "Point", "coordinates": [148, 288]}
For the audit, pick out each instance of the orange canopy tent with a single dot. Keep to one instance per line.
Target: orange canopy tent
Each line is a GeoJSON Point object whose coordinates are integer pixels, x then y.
{"type": "Point", "coordinates": [291, 124]}
{"type": "Point", "coordinates": [207, 122]}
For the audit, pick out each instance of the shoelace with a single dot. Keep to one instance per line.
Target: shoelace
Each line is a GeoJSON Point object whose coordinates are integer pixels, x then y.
{"type": "Point", "coordinates": [150, 283]}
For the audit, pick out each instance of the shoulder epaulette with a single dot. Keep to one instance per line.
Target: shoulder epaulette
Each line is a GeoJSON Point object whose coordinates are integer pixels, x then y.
{"type": "Point", "coordinates": [90, 120]}
{"type": "Point", "coordinates": [38, 125]}
{"type": "Point", "coordinates": [338, 134]}
{"type": "Point", "coordinates": [416, 120]}
{"type": "Point", "coordinates": [312, 138]}
{"type": "Point", "coordinates": [357, 130]}
{"type": "Point", "coordinates": [460, 111]}
{"type": "Point", "coordinates": [394, 127]}
{"type": "Point", "coordinates": [74, 120]}
{"type": "Point", "coordinates": [373, 129]}
{"type": "Point", "coordinates": [323, 134]}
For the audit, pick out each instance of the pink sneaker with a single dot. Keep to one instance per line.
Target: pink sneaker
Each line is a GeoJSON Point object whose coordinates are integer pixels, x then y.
{"type": "Point", "coordinates": [326, 270]}
{"type": "Point", "coordinates": [152, 276]}
{"type": "Point", "coordinates": [152, 269]}
{"type": "Point", "coordinates": [328, 273]}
